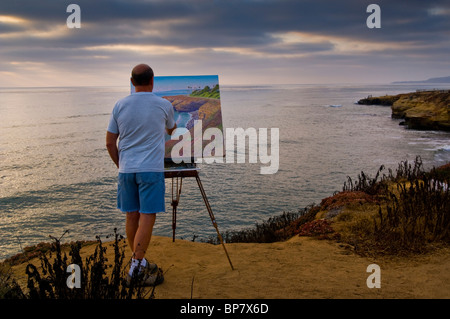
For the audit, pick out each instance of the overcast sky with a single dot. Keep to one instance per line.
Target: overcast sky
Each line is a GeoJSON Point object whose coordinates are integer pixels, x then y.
{"type": "Point", "coordinates": [244, 42]}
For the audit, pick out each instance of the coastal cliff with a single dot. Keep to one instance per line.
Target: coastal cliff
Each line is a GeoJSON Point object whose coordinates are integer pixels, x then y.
{"type": "Point", "coordinates": [208, 110]}
{"type": "Point", "coordinates": [205, 109]}
{"type": "Point", "coordinates": [423, 110]}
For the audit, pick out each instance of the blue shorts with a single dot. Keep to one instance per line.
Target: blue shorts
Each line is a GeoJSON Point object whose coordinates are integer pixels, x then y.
{"type": "Point", "coordinates": [142, 192]}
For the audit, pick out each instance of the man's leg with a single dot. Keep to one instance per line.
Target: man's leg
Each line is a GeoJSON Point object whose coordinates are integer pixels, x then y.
{"type": "Point", "coordinates": [143, 234]}
{"type": "Point", "coordinates": [151, 200]}
{"type": "Point", "coordinates": [131, 227]}
{"type": "Point", "coordinates": [139, 229]}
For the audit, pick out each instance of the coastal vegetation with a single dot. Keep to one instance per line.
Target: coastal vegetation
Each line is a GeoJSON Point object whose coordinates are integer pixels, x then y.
{"type": "Point", "coordinates": [103, 280]}
{"type": "Point", "coordinates": [212, 93]}
{"type": "Point", "coordinates": [424, 110]}
{"type": "Point", "coordinates": [393, 213]}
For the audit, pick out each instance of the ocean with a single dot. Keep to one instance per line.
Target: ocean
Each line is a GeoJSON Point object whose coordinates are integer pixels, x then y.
{"type": "Point", "coordinates": [56, 175]}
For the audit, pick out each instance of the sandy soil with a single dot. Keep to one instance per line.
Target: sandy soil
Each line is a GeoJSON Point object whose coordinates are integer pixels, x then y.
{"type": "Point", "coordinates": [302, 267]}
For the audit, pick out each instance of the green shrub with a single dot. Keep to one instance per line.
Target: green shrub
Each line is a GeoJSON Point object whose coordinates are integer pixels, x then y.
{"type": "Point", "coordinates": [99, 280]}
{"type": "Point", "coordinates": [415, 211]}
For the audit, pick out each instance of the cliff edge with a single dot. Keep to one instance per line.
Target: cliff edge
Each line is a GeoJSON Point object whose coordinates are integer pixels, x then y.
{"type": "Point", "coordinates": [422, 110]}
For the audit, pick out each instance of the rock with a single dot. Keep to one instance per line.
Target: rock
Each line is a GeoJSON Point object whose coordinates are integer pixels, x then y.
{"type": "Point", "coordinates": [208, 110]}
{"type": "Point", "coordinates": [423, 110]}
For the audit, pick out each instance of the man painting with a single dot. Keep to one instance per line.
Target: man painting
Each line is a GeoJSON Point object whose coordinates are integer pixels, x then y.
{"type": "Point", "coordinates": [139, 121]}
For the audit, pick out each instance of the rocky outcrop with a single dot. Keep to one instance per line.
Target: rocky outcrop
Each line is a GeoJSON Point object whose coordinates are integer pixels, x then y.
{"type": "Point", "coordinates": [183, 103]}
{"type": "Point", "coordinates": [206, 109]}
{"type": "Point", "coordinates": [424, 110]}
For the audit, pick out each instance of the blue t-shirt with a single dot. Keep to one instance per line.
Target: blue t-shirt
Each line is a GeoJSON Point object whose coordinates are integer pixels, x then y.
{"type": "Point", "coordinates": [141, 120]}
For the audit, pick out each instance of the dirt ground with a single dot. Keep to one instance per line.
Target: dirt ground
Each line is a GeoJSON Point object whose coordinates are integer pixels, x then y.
{"type": "Point", "coordinates": [300, 268]}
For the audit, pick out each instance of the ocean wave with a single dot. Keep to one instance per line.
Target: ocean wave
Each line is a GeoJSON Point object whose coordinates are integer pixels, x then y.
{"type": "Point", "coordinates": [86, 115]}
{"type": "Point", "coordinates": [445, 148]}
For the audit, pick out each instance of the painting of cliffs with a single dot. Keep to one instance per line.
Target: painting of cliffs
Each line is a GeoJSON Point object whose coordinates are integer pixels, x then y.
{"type": "Point", "coordinates": [207, 110]}
{"type": "Point", "coordinates": [194, 98]}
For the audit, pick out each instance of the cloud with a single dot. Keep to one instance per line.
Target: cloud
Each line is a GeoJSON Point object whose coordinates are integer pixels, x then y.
{"type": "Point", "coordinates": [199, 36]}
{"type": "Point", "coordinates": [439, 11]}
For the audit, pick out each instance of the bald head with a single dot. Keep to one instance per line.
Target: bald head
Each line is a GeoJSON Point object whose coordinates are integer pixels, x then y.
{"type": "Point", "coordinates": [142, 75]}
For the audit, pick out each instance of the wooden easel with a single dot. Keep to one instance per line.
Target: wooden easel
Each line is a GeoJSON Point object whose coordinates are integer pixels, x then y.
{"type": "Point", "coordinates": [179, 175]}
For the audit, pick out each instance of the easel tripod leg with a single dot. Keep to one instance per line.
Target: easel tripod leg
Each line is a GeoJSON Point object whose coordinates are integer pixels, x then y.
{"type": "Point", "coordinates": [174, 219]}
{"type": "Point", "coordinates": [211, 215]}
{"type": "Point", "coordinates": [174, 206]}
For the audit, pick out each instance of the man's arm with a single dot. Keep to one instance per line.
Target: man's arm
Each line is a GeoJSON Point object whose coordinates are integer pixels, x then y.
{"type": "Point", "coordinates": [170, 130]}
{"type": "Point", "coordinates": [111, 145]}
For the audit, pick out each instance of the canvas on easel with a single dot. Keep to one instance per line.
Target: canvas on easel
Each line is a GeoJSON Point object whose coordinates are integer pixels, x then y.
{"type": "Point", "coordinates": [196, 101]}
